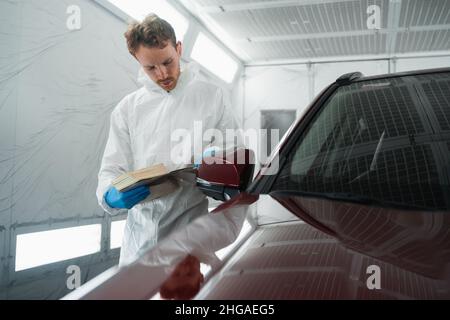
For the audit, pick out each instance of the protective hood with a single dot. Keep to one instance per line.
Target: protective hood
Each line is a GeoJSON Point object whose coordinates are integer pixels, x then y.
{"type": "Point", "coordinates": [189, 72]}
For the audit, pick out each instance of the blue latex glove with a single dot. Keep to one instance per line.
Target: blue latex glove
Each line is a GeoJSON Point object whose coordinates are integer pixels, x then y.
{"type": "Point", "coordinates": [209, 152]}
{"type": "Point", "coordinates": [127, 199]}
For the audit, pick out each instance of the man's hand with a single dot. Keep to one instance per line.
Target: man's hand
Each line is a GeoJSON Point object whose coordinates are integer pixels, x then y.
{"type": "Point", "coordinates": [184, 282]}
{"type": "Point", "coordinates": [127, 199]}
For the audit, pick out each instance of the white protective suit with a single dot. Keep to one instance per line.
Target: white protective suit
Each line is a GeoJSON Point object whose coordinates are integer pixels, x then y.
{"type": "Point", "coordinates": [140, 136]}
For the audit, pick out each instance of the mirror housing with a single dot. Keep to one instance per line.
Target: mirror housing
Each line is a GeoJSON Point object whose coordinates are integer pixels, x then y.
{"type": "Point", "coordinates": [224, 176]}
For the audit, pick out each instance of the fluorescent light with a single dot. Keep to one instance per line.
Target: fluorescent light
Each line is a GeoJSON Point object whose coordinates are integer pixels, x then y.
{"type": "Point", "coordinates": [39, 248]}
{"type": "Point", "coordinates": [213, 58]}
{"type": "Point", "coordinates": [196, 10]}
{"type": "Point", "coordinates": [139, 9]}
{"type": "Point", "coordinates": [117, 230]}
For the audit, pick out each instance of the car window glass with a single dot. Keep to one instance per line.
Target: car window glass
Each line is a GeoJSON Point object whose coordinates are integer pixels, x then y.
{"type": "Point", "coordinates": [385, 139]}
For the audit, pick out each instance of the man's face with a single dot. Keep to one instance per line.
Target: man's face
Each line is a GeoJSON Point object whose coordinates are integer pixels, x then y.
{"type": "Point", "coordinates": [161, 65]}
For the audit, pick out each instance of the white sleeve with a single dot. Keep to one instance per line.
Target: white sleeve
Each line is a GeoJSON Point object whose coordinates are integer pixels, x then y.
{"type": "Point", "coordinates": [117, 157]}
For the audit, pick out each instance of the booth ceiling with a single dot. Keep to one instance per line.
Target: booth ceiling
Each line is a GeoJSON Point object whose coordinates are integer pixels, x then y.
{"type": "Point", "coordinates": [266, 30]}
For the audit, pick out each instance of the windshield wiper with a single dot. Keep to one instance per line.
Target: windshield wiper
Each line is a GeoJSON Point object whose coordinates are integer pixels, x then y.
{"type": "Point", "coordinates": [352, 197]}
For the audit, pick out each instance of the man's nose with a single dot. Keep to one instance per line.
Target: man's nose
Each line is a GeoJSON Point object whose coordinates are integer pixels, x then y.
{"type": "Point", "coordinates": [161, 72]}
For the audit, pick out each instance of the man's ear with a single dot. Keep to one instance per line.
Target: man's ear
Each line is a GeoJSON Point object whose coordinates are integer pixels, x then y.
{"type": "Point", "coordinates": [179, 48]}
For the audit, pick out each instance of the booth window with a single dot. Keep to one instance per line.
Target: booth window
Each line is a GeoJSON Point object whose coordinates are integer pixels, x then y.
{"type": "Point", "coordinates": [39, 248]}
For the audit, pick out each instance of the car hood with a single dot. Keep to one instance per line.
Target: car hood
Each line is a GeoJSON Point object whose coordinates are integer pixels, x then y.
{"type": "Point", "coordinates": [339, 251]}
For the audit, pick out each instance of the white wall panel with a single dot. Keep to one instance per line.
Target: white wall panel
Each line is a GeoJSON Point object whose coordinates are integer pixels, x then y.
{"type": "Point", "coordinates": [273, 88]}
{"type": "Point", "coordinates": [402, 65]}
{"type": "Point", "coordinates": [8, 96]}
{"type": "Point", "coordinates": [280, 87]}
{"type": "Point", "coordinates": [66, 83]}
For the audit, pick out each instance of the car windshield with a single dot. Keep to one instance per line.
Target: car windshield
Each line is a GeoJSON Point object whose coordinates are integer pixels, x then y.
{"type": "Point", "coordinates": [386, 140]}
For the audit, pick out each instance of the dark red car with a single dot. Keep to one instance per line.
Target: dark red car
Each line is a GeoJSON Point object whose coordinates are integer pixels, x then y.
{"type": "Point", "coordinates": [356, 206]}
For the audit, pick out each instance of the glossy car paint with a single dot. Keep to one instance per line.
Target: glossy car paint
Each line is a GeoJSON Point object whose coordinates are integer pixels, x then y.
{"type": "Point", "coordinates": [298, 260]}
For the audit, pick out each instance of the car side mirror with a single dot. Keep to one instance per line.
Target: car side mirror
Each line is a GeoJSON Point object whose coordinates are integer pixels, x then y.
{"type": "Point", "coordinates": [224, 176]}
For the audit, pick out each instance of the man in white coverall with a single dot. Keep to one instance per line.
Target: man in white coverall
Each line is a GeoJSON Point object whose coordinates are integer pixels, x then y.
{"type": "Point", "coordinates": [140, 136]}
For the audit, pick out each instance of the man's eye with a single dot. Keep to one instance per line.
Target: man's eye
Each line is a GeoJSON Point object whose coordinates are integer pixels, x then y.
{"type": "Point", "coordinates": [167, 63]}
{"type": "Point", "coordinates": [151, 68]}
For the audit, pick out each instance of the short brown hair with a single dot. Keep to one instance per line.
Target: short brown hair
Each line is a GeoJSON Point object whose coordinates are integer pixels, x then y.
{"type": "Point", "coordinates": [152, 32]}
